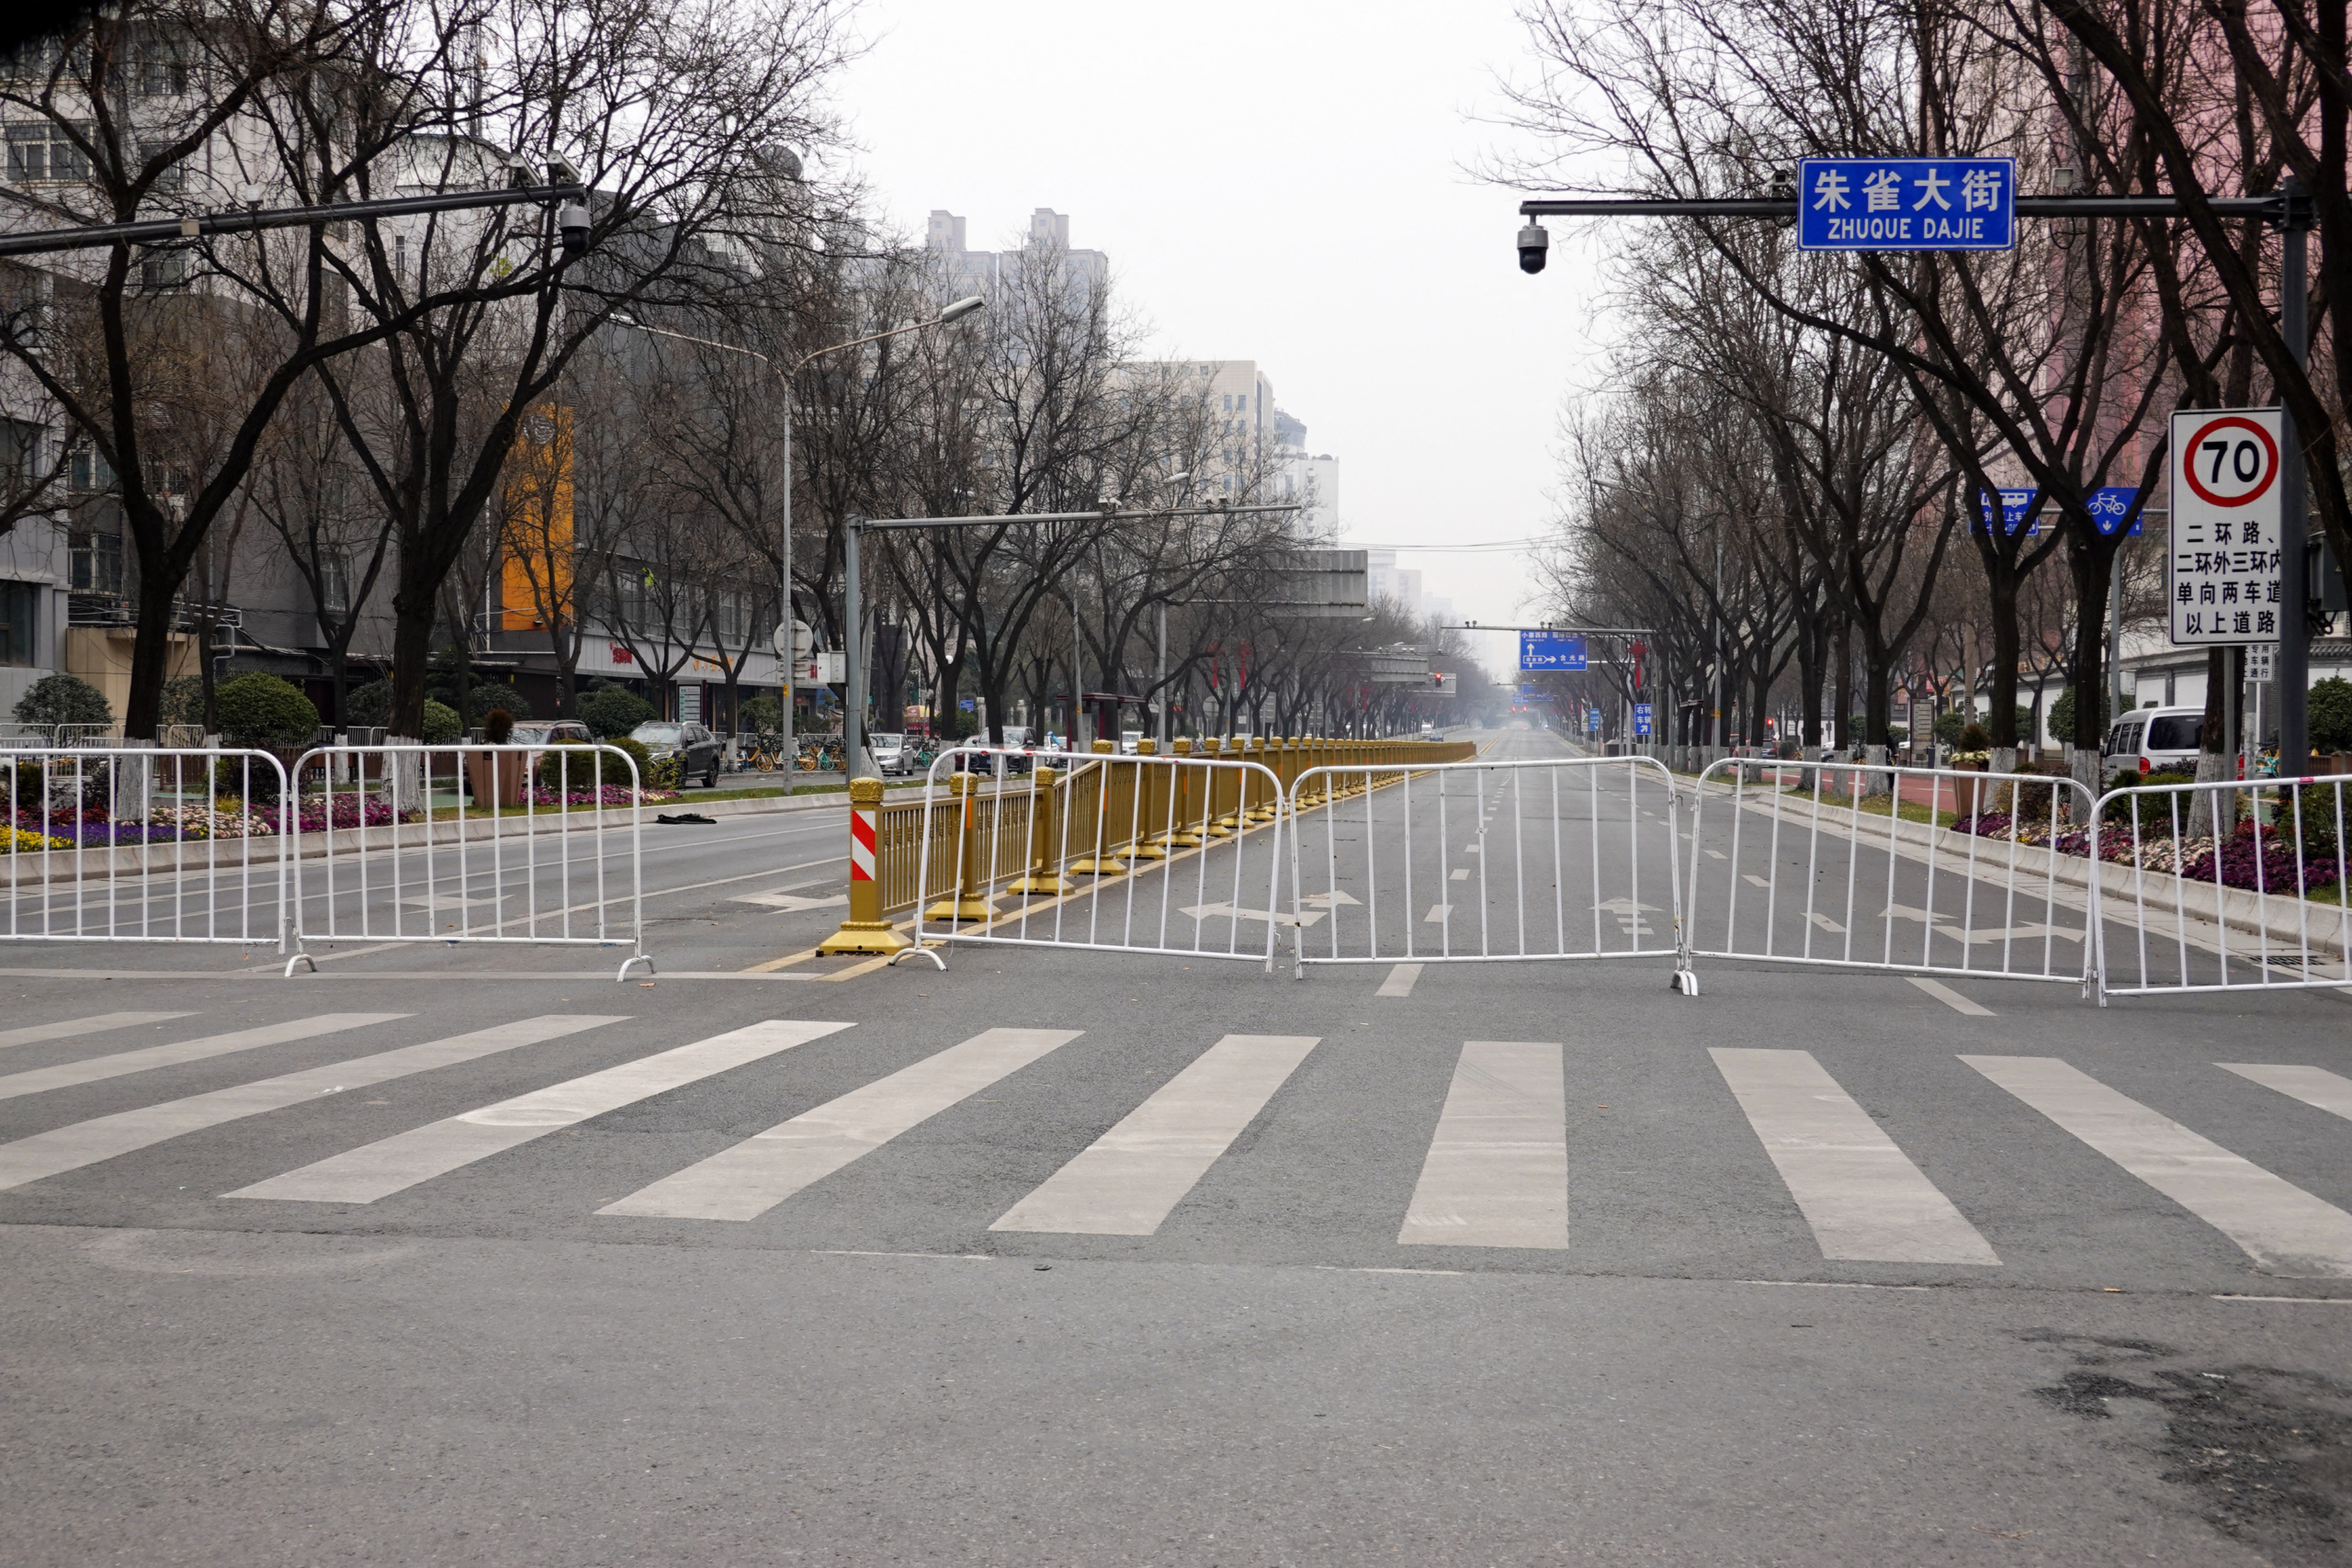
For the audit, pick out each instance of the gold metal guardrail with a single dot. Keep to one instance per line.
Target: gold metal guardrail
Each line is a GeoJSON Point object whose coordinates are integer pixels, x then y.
{"type": "Point", "coordinates": [1098, 816]}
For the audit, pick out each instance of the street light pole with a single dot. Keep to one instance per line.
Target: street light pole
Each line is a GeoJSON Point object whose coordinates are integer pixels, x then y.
{"type": "Point", "coordinates": [786, 645]}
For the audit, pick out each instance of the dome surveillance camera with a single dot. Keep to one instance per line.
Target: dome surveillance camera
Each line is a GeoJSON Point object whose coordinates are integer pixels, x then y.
{"type": "Point", "coordinates": [1534, 242]}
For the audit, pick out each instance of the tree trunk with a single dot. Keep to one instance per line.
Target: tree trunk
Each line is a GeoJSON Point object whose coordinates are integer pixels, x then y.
{"type": "Point", "coordinates": [1842, 669]}
{"type": "Point", "coordinates": [412, 621]}
{"type": "Point", "coordinates": [2086, 670]}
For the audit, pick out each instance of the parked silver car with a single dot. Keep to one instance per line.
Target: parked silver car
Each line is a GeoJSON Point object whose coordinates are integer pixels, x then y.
{"type": "Point", "coordinates": [891, 753]}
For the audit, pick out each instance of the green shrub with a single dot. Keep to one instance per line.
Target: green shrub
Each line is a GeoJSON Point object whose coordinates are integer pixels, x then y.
{"type": "Point", "coordinates": [62, 699]}
{"type": "Point", "coordinates": [762, 714]}
{"type": "Point", "coordinates": [483, 696]}
{"type": "Point", "coordinates": [616, 770]}
{"type": "Point", "coordinates": [2330, 712]}
{"type": "Point", "coordinates": [613, 711]}
{"type": "Point", "coordinates": [1949, 724]}
{"type": "Point", "coordinates": [369, 706]}
{"type": "Point", "coordinates": [2062, 715]}
{"type": "Point", "coordinates": [264, 713]}
{"type": "Point", "coordinates": [441, 724]}
{"type": "Point", "coordinates": [1972, 737]}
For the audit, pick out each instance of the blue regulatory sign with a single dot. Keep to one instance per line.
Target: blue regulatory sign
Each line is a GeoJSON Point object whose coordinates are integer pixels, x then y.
{"type": "Point", "coordinates": [1906, 204]}
{"type": "Point", "coordinates": [1641, 718]}
{"type": "Point", "coordinates": [1550, 651]}
{"type": "Point", "coordinates": [2106, 504]}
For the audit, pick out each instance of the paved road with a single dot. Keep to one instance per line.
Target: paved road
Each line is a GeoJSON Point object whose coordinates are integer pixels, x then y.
{"type": "Point", "coordinates": [1087, 1257]}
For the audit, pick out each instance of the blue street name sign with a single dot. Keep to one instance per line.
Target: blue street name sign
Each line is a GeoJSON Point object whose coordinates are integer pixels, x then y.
{"type": "Point", "coordinates": [2106, 504]}
{"type": "Point", "coordinates": [1641, 718]}
{"type": "Point", "coordinates": [1528, 693]}
{"type": "Point", "coordinates": [1906, 204]}
{"type": "Point", "coordinates": [1550, 651]}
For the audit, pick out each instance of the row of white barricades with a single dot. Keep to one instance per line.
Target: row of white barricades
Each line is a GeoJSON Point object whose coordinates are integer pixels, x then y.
{"type": "Point", "coordinates": [2149, 889]}
{"type": "Point", "coordinates": [457, 845]}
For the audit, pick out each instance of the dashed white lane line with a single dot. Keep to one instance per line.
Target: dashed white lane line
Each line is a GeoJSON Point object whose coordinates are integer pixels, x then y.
{"type": "Point", "coordinates": [35, 1032]}
{"type": "Point", "coordinates": [1400, 981]}
{"type": "Point", "coordinates": [1947, 996]}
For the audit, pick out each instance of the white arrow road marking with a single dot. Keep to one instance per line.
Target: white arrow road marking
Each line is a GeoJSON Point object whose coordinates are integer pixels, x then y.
{"type": "Point", "coordinates": [1228, 912]}
{"type": "Point", "coordinates": [1935, 922]}
{"type": "Point", "coordinates": [790, 901]}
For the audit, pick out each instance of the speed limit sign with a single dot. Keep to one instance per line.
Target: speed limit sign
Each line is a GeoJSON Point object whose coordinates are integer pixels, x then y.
{"type": "Point", "coordinates": [2223, 581]}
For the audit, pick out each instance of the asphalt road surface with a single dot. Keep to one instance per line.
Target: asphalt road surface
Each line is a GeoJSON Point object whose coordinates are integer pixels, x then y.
{"type": "Point", "coordinates": [473, 1256]}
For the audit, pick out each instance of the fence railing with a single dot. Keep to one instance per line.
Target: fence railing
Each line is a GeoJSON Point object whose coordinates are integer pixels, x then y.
{"type": "Point", "coordinates": [467, 844]}
{"type": "Point", "coordinates": [1918, 870]}
{"type": "Point", "coordinates": [144, 844]}
{"type": "Point", "coordinates": [2221, 887]}
{"type": "Point", "coordinates": [1567, 858]}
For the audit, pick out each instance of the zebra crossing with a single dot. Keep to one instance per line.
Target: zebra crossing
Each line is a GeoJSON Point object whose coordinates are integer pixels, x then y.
{"type": "Point", "coordinates": [1499, 1170]}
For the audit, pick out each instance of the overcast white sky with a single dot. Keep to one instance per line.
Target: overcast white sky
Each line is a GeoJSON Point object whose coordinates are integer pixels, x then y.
{"type": "Point", "coordinates": [1282, 181]}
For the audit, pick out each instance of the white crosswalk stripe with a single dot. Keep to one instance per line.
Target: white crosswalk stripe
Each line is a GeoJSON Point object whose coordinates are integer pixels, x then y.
{"type": "Point", "coordinates": [104, 1138]}
{"type": "Point", "coordinates": [746, 1181]}
{"type": "Point", "coordinates": [2313, 1086]}
{"type": "Point", "coordinates": [94, 1069]}
{"type": "Point", "coordinates": [1497, 1174]}
{"type": "Point", "coordinates": [1127, 1181]}
{"type": "Point", "coordinates": [2284, 1229]}
{"type": "Point", "coordinates": [34, 1033]}
{"type": "Point", "coordinates": [379, 1169]}
{"type": "Point", "coordinates": [1864, 1198]}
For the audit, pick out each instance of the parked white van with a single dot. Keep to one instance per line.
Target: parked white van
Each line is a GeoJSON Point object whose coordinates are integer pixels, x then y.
{"type": "Point", "coordinates": [2156, 740]}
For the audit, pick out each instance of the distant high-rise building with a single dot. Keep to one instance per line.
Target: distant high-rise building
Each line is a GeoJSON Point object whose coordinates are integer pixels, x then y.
{"type": "Point", "coordinates": [985, 272]}
{"type": "Point", "coordinates": [1385, 580]}
{"type": "Point", "coordinates": [1311, 478]}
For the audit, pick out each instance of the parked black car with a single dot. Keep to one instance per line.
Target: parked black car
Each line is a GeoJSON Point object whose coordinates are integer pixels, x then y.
{"type": "Point", "coordinates": [697, 749]}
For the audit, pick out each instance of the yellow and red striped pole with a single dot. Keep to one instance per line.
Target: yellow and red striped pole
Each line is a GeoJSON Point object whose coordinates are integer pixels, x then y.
{"type": "Point", "coordinates": [865, 930]}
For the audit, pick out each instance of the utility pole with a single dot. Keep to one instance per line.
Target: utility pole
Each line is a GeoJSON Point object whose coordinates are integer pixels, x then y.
{"type": "Point", "coordinates": [2296, 215]}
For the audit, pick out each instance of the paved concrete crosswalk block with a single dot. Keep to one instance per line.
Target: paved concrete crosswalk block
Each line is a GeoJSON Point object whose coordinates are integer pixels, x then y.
{"type": "Point", "coordinates": [106, 1137]}
{"type": "Point", "coordinates": [1127, 1181]}
{"type": "Point", "coordinates": [1497, 1173]}
{"type": "Point", "coordinates": [2284, 1229]}
{"type": "Point", "coordinates": [1861, 1195]}
{"type": "Point", "coordinates": [33, 1033]}
{"type": "Point", "coordinates": [94, 1069]}
{"type": "Point", "coordinates": [746, 1181]}
{"type": "Point", "coordinates": [379, 1169]}
{"type": "Point", "coordinates": [2329, 1091]}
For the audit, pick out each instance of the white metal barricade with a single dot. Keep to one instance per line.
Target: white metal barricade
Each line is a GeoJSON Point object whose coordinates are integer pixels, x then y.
{"type": "Point", "coordinates": [123, 844]}
{"type": "Point", "coordinates": [1178, 854]}
{"type": "Point", "coordinates": [467, 844]}
{"type": "Point", "coordinates": [1799, 862]}
{"type": "Point", "coordinates": [1567, 858]}
{"type": "Point", "coordinates": [2223, 886]}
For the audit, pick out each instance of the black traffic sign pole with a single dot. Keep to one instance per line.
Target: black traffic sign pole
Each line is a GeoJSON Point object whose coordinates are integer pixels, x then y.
{"type": "Point", "coordinates": [2289, 209]}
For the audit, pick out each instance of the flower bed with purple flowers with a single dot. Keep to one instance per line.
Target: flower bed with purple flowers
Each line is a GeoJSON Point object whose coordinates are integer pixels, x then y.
{"type": "Point", "coordinates": [2257, 859]}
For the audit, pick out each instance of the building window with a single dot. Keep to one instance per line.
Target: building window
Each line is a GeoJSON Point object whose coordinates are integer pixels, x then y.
{"type": "Point", "coordinates": [162, 271]}
{"type": "Point", "coordinates": [172, 178]}
{"type": "Point", "coordinates": [1241, 403]}
{"type": "Point", "coordinates": [20, 605]}
{"type": "Point", "coordinates": [96, 562]}
{"type": "Point", "coordinates": [20, 457]}
{"type": "Point", "coordinates": [334, 583]}
{"type": "Point", "coordinates": [86, 471]}
{"type": "Point", "coordinates": [43, 153]}
{"type": "Point", "coordinates": [1228, 402]}
{"type": "Point", "coordinates": [162, 68]}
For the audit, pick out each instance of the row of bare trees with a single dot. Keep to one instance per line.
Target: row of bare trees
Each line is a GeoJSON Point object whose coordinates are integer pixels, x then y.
{"type": "Point", "coordinates": [1789, 462]}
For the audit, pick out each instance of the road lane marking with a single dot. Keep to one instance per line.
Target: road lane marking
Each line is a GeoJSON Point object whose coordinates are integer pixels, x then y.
{"type": "Point", "coordinates": [1949, 998]}
{"type": "Point", "coordinates": [1461, 873]}
{"type": "Point", "coordinates": [2312, 1086]}
{"type": "Point", "coordinates": [66, 1074]}
{"type": "Point", "coordinates": [2284, 1229]}
{"type": "Point", "coordinates": [1400, 981]}
{"type": "Point", "coordinates": [1127, 1181]}
{"type": "Point", "coordinates": [1497, 1173]}
{"type": "Point", "coordinates": [1755, 880]}
{"type": "Point", "coordinates": [103, 1137]}
{"type": "Point", "coordinates": [1864, 1198]}
{"type": "Point", "coordinates": [97, 1023]}
{"type": "Point", "coordinates": [755, 1176]}
{"type": "Point", "coordinates": [379, 1169]}
{"type": "Point", "coordinates": [1826, 923]}
{"type": "Point", "coordinates": [1437, 915]}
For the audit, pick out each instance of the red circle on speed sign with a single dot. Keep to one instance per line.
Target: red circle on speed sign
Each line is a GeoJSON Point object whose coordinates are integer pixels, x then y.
{"type": "Point", "coordinates": [2227, 462]}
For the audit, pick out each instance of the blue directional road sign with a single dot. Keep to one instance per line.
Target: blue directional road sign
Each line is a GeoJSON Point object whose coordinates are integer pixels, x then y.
{"type": "Point", "coordinates": [2106, 504]}
{"type": "Point", "coordinates": [1906, 204]}
{"type": "Point", "coordinates": [1641, 718]}
{"type": "Point", "coordinates": [1550, 651]}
